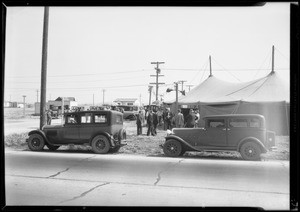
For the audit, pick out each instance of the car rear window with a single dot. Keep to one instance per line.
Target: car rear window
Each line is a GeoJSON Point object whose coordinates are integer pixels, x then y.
{"type": "Point", "coordinates": [255, 122]}
{"type": "Point", "coordinates": [100, 118]}
{"type": "Point", "coordinates": [119, 119]}
{"type": "Point", "coordinates": [238, 123]}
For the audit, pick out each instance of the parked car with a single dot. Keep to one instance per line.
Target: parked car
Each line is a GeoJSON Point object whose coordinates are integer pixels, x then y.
{"type": "Point", "coordinates": [243, 133]}
{"type": "Point", "coordinates": [102, 130]}
{"type": "Point", "coordinates": [129, 112]}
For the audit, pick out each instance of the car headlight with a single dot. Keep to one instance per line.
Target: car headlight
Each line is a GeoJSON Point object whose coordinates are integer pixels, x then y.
{"type": "Point", "coordinates": [169, 132]}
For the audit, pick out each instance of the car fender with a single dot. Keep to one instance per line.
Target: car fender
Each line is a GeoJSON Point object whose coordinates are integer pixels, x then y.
{"type": "Point", "coordinates": [110, 138]}
{"type": "Point", "coordinates": [253, 139]}
{"type": "Point", "coordinates": [180, 140]}
{"type": "Point", "coordinates": [40, 132]}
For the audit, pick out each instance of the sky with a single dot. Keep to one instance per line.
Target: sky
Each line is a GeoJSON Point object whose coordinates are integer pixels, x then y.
{"type": "Point", "coordinates": [96, 51]}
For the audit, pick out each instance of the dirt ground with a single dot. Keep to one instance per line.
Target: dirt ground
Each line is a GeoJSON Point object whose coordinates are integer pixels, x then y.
{"type": "Point", "coordinates": [136, 145]}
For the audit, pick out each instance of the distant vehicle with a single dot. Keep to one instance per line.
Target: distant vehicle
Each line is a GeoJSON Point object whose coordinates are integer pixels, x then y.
{"type": "Point", "coordinates": [102, 130]}
{"type": "Point", "coordinates": [243, 133]}
{"type": "Point", "coordinates": [130, 112]}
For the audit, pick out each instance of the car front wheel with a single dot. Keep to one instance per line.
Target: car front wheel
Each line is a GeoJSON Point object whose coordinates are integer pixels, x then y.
{"type": "Point", "coordinates": [36, 142]}
{"type": "Point", "coordinates": [250, 151]}
{"type": "Point", "coordinates": [172, 148]}
{"type": "Point", "coordinates": [100, 144]}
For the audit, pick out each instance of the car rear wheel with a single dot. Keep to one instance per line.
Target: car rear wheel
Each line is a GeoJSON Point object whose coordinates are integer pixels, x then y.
{"type": "Point", "coordinates": [51, 147]}
{"type": "Point", "coordinates": [250, 151]}
{"type": "Point", "coordinates": [36, 142]}
{"type": "Point", "coordinates": [100, 144]}
{"type": "Point", "coordinates": [172, 148]}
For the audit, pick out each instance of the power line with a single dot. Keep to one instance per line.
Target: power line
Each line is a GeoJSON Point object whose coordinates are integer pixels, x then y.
{"type": "Point", "coordinates": [79, 75]}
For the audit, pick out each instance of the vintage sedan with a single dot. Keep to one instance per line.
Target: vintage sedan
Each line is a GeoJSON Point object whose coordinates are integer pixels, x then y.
{"type": "Point", "coordinates": [243, 133]}
{"type": "Point", "coordinates": [102, 130]}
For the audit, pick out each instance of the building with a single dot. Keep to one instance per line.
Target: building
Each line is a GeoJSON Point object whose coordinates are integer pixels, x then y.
{"type": "Point", "coordinates": [56, 105]}
{"type": "Point", "coordinates": [127, 101]}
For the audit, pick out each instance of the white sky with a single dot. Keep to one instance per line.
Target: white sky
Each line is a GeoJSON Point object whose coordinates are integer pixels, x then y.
{"type": "Point", "coordinates": [88, 47]}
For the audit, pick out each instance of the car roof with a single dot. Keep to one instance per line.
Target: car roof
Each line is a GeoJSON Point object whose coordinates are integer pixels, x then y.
{"type": "Point", "coordinates": [235, 116]}
{"type": "Point", "coordinates": [94, 111]}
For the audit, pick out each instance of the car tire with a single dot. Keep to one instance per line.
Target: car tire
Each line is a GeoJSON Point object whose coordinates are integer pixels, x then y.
{"type": "Point", "coordinates": [36, 142]}
{"type": "Point", "coordinates": [51, 147]}
{"type": "Point", "coordinates": [250, 151]}
{"type": "Point", "coordinates": [100, 144]}
{"type": "Point", "coordinates": [115, 149]}
{"type": "Point", "coordinates": [172, 148]}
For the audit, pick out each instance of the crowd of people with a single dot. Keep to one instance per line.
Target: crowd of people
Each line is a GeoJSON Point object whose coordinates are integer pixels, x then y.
{"type": "Point", "coordinates": [165, 118]}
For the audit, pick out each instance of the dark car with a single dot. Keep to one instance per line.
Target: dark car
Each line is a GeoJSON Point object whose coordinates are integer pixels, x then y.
{"type": "Point", "coordinates": [102, 130]}
{"type": "Point", "coordinates": [244, 133]}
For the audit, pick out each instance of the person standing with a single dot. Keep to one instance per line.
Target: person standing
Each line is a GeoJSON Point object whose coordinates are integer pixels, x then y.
{"type": "Point", "coordinates": [49, 117]}
{"type": "Point", "coordinates": [197, 118]}
{"type": "Point", "coordinates": [150, 123]}
{"type": "Point", "coordinates": [139, 121]}
{"type": "Point", "coordinates": [167, 119]}
{"type": "Point", "coordinates": [155, 122]}
{"type": "Point", "coordinates": [179, 119]}
{"type": "Point", "coordinates": [190, 119]}
{"type": "Point", "coordinates": [159, 116]}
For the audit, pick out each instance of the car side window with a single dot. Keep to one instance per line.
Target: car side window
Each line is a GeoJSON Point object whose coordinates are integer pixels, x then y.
{"type": "Point", "coordinates": [86, 118]}
{"type": "Point", "coordinates": [238, 123]}
{"type": "Point", "coordinates": [255, 122]}
{"type": "Point", "coordinates": [71, 119]}
{"type": "Point", "coordinates": [100, 118]}
{"type": "Point", "coordinates": [216, 123]}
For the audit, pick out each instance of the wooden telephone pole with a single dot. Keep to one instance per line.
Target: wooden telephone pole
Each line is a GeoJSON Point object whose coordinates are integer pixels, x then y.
{"type": "Point", "coordinates": [157, 75]}
{"type": "Point", "coordinates": [44, 68]}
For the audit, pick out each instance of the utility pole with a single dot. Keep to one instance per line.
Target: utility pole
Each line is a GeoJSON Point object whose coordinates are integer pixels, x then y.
{"type": "Point", "coordinates": [140, 99]}
{"type": "Point", "coordinates": [182, 81]}
{"type": "Point", "coordinates": [157, 75]}
{"type": "Point", "coordinates": [37, 95]}
{"type": "Point", "coordinates": [44, 68]}
{"type": "Point", "coordinates": [24, 105]}
{"type": "Point", "coordinates": [189, 86]}
{"type": "Point", "coordinates": [93, 99]}
{"type": "Point", "coordinates": [103, 90]}
{"type": "Point", "coordinates": [150, 91]}
{"type": "Point", "coordinates": [176, 87]}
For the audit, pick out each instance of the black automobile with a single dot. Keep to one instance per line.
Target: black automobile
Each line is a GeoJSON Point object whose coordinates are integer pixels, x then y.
{"type": "Point", "coordinates": [243, 133]}
{"type": "Point", "coordinates": [102, 130]}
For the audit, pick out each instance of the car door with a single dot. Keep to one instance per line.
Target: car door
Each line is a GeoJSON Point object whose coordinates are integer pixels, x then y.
{"type": "Point", "coordinates": [87, 126]}
{"type": "Point", "coordinates": [70, 131]}
{"type": "Point", "coordinates": [215, 133]}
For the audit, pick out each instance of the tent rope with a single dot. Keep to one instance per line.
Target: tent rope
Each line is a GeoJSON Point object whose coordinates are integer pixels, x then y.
{"type": "Point", "coordinates": [247, 86]}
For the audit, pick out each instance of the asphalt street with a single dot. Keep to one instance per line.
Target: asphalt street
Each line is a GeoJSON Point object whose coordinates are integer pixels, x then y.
{"type": "Point", "coordinates": [86, 179]}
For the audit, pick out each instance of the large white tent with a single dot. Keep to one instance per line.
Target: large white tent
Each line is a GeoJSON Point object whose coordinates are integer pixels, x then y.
{"type": "Point", "coordinates": [268, 96]}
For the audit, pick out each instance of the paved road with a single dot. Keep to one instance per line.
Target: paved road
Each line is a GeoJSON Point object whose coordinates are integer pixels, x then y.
{"type": "Point", "coordinates": [78, 179]}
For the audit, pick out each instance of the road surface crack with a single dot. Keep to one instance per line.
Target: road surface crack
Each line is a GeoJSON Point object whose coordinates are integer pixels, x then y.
{"type": "Point", "coordinates": [67, 169]}
{"type": "Point", "coordinates": [83, 194]}
{"type": "Point", "coordinates": [159, 173]}
{"type": "Point", "coordinates": [54, 175]}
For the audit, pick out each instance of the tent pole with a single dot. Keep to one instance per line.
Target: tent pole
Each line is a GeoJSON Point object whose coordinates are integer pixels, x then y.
{"type": "Point", "coordinates": [210, 66]}
{"type": "Point", "coordinates": [272, 59]}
